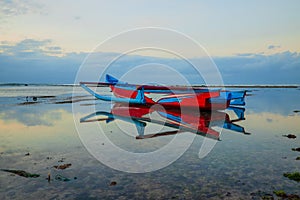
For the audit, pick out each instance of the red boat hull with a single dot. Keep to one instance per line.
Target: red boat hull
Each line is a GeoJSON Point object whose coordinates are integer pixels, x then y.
{"type": "Point", "coordinates": [189, 101]}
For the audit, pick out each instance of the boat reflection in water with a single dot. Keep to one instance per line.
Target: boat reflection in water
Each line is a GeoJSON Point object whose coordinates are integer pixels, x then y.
{"type": "Point", "coordinates": [203, 123]}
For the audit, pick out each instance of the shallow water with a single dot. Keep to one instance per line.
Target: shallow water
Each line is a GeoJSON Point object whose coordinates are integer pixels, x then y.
{"type": "Point", "coordinates": [239, 166]}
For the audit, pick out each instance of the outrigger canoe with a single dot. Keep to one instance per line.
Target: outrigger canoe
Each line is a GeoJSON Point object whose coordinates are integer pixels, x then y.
{"type": "Point", "coordinates": [172, 96]}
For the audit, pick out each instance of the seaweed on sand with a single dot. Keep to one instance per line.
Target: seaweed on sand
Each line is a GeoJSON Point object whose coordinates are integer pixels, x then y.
{"type": "Point", "coordinates": [21, 173]}
{"type": "Point", "coordinates": [293, 176]}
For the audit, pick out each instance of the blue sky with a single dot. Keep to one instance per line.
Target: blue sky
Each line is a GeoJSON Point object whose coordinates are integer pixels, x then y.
{"type": "Point", "coordinates": [251, 42]}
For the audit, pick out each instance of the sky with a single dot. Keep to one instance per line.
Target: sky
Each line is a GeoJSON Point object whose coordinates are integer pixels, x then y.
{"type": "Point", "coordinates": [251, 42]}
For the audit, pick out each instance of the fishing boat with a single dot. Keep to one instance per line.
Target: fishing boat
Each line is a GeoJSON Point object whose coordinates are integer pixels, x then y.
{"type": "Point", "coordinates": [171, 96]}
{"type": "Point", "coordinates": [202, 124]}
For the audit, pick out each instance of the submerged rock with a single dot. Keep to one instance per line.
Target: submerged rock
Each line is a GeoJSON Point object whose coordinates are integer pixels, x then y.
{"type": "Point", "coordinates": [62, 178]}
{"type": "Point", "coordinates": [280, 193]}
{"type": "Point", "coordinates": [283, 195]}
{"type": "Point", "coordinates": [262, 195]}
{"type": "Point", "coordinates": [295, 176]}
{"type": "Point", "coordinates": [113, 183]}
{"type": "Point", "coordinates": [21, 173]}
{"type": "Point", "coordinates": [267, 197]}
{"type": "Point", "coordinates": [293, 197]}
{"type": "Point", "coordinates": [298, 158]}
{"type": "Point", "coordinates": [291, 136]}
{"type": "Point", "coordinates": [64, 166]}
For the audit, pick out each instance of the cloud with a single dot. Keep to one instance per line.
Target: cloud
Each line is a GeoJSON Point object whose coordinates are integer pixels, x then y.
{"type": "Point", "coordinates": [263, 105]}
{"type": "Point", "coordinates": [77, 18]}
{"type": "Point", "coordinates": [30, 47]}
{"type": "Point", "coordinates": [44, 116]}
{"type": "Point", "coordinates": [245, 54]}
{"type": "Point", "coordinates": [279, 68]}
{"type": "Point", "coordinates": [10, 8]}
{"type": "Point", "coordinates": [38, 61]}
{"type": "Point", "coordinates": [274, 46]}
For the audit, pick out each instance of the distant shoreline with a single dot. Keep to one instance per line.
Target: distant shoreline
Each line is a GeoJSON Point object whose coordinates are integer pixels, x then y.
{"type": "Point", "coordinates": [258, 86]}
{"type": "Point", "coordinates": [196, 86]}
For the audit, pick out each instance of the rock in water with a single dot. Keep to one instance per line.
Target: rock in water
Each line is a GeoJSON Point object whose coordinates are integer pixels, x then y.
{"type": "Point", "coordinates": [296, 149]}
{"type": "Point", "coordinates": [64, 166]}
{"type": "Point", "coordinates": [290, 136]}
{"type": "Point", "coordinates": [113, 183]}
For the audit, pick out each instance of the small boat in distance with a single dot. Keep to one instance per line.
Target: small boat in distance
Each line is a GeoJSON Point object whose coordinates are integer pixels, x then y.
{"type": "Point", "coordinates": [171, 96]}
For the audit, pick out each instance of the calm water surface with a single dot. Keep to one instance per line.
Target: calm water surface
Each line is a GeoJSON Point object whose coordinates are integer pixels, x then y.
{"type": "Point", "coordinates": [39, 121]}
